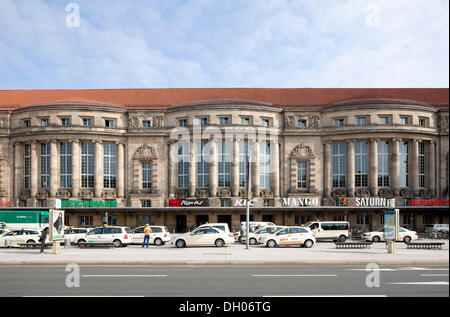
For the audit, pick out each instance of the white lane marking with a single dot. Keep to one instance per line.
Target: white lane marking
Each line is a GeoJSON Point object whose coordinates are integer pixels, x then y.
{"type": "Point", "coordinates": [83, 296]}
{"type": "Point", "coordinates": [298, 275]}
{"type": "Point", "coordinates": [371, 270]}
{"type": "Point", "coordinates": [433, 274]}
{"type": "Point", "coordinates": [105, 275]}
{"type": "Point", "coordinates": [420, 283]}
{"type": "Point", "coordinates": [420, 269]}
{"type": "Point", "coordinates": [326, 296]}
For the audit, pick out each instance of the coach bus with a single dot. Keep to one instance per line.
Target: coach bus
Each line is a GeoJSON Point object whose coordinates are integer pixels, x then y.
{"type": "Point", "coordinates": [16, 219]}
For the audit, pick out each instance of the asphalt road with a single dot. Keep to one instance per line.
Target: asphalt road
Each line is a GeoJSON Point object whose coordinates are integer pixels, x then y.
{"type": "Point", "coordinates": [244, 281]}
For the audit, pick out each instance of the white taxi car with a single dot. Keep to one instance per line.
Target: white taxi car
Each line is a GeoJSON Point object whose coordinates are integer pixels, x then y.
{"type": "Point", "coordinates": [159, 235]}
{"type": "Point", "coordinates": [302, 236]}
{"type": "Point", "coordinates": [75, 234]}
{"type": "Point", "coordinates": [118, 236]}
{"type": "Point", "coordinates": [254, 236]}
{"type": "Point", "coordinates": [202, 236]}
{"type": "Point", "coordinates": [403, 235]}
{"type": "Point", "coordinates": [18, 237]}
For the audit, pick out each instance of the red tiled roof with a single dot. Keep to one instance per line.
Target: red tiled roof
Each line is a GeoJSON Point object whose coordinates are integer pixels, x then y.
{"type": "Point", "coordinates": [172, 97]}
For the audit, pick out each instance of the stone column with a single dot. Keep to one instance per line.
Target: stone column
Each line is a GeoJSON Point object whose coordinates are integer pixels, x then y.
{"type": "Point", "coordinates": [235, 169]}
{"type": "Point", "coordinates": [373, 167]}
{"type": "Point", "coordinates": [255, 165]}
{"type": "Point", "coordinates": [432, 167]}
{"type": "Point", "coordinates": [351, 168]}
{"type": "Point", "coordinates": [394, 176]}
{"type": "Point", "coordinates": [213, 168]}
{"type": "Point", "coordinates": [34, 170]}
{"type": "Point", "coordinates": [171, 169]}
{"type": "Point", "coordinates": [54, 168]}
{"type": "Point", "coordinates": [192, 169]}
{"type": "Point", "coordinates": [120, 170]}
{"type": "Point", "coordinates": [98, 186]}
{"type": "Point", "coordinates": [76, 170]}
{"type": "Point", "coordinates": [275, 168]}
{"type": "Point", "coordinates": [415, 167]}
{"type": "Point", "coordinates": [327, 160]}
{"type": "Point", "coordinates": [19, 168]}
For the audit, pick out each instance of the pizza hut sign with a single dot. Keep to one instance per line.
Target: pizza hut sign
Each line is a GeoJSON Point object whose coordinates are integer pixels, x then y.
{"type": "Point", "coordinates": [186, 203]}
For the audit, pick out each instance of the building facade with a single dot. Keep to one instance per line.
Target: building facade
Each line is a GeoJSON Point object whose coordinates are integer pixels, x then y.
{"type": "Point", "coordinates": [311, 153]}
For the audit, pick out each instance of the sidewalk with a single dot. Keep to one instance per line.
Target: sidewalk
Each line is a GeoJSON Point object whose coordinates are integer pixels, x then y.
{"type": "Point", "coordinates": [323, 253]}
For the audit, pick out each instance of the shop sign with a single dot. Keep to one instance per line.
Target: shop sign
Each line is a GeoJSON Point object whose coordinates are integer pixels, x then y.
{"type": "Point", "coordinates": [186, 203]}
{"type": "Point", "coordinates": [243, 203]}
{"type": "Point", "coordinates": [5, 203]}
{"type": "Point", "coordinates": [367, 202]}
{"type": "Point", "coordinates": [301, 201]}
{"type": "Point", "coordinates": [88, 203]}
{"type": "Point", "coordinates": [430, 202]}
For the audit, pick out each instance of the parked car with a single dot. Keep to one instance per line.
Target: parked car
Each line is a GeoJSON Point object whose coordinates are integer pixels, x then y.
{"type": "Point", "coordinates": [119, 236]}
{"type": "Point", "coordinates": [254, 236]}
{"type": "Point", "coordinates": [330, 230]}
{"type": "Point", "coordinates": [441, 227]}
{"type": "Point", "coordinates": [18, 237]}
{"type": "Point", "coordinates": [75, 234]}
{"type": "Point", "coordinates": [203, 236]}
{"type": "Point", "coordinates": [222, 226]}
{"type": "Point", "coordinates": [253, 226]}
{"type": "Point", "coordinates": [159, 235]}
{"type": "Point", "coordinates": [4, 231]}
{"type": "Point", "coordinates": [302, 236]}
{"type": "Point", "coordinates": [403, 235]}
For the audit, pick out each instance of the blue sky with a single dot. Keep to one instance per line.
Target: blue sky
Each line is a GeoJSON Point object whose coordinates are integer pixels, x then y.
{"type": "Point", "coordinates": [228, 43]}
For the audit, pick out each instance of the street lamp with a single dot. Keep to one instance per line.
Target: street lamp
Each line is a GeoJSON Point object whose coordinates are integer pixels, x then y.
{"type": "Point", "coordinates": [248, 198]}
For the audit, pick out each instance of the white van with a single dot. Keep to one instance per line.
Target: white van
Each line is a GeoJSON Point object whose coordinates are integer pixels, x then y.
{"type": "Point", "coordinates": [330, 230]}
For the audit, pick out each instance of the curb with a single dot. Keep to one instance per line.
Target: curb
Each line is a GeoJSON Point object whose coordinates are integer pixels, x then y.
{"type": "Point", "coordinates": [226, 263]}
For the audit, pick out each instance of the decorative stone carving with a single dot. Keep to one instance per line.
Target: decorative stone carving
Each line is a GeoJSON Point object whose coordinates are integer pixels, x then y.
{"type": "Point", "coordinates": [3, 193]}
{"type": "Point", "coordinates": [109, 194]}
{"type": "Point", "coordinates": [181, 193]}
{"type": "Point", "coordinates": [202, 193]}
{"type": "Point", "coordinates": [133, 121]}
{"type": "Point", "coordinates": [157, 121]}
{"type": "Point", "coordinates": [243, 193]}
{"type": "Point", "coordinates": [85, 194]}
{"type": "Point", "coordinates": [363, 193]}
{"type": "Point", "coordinates": [4, 123]}
{"type": "Point", "coordinates": [444, 122]}
{"type": "Point", "coordinates": [145, 152]}
{"type": "Point", "coordinates": [63, 194]}
{"type": "Point", "coordinates": [386, 193]}
{"type": "Point", "coordinates": [24, 194]}
{"type": "Point", "coordinates": [266, 193]}
{"type": "Point", "coordinates": [314, 121]}
{"type": "Point", "coordinates": [339, 192]}
{"type": "Point", "coordinates": [300, 151]}
{"type": "Point", "coordinates": [223, 193]}
{"type": "Point", "coordinates": [406, 193]}
{"type": "Point", "coordinates": [425, 193]}
{"type": "Point", "coordinates": [42, 193]}
{"type": "Point", "coordinates": [289, 121]}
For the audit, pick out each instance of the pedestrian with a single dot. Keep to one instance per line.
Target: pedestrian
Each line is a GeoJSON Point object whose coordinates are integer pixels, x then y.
{"type": "Point", "coordinates": [242, 230]}
{"type": "Point", "coordinates": [147, 231]}
{"type": "Point", "coordinates": [42, 238]}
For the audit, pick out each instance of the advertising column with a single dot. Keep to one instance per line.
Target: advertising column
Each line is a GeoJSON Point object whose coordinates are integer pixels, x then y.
{"type": "Point", "coordinates": [391, 226]}
{"type": "Point", "coordinates": [56, 228]}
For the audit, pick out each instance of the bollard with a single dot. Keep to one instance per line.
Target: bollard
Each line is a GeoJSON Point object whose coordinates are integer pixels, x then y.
{"type": "Point", "coordinates": [7, 243]}
{"type": "Point", "coordinates": [66, 243]}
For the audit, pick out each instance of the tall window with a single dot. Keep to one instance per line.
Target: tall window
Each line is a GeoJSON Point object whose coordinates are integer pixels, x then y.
{"type": "Point", "coordinates": [45, 165]}
{"type": "Point", "coordinates": [243, 163]}
{"type": "Point", "coordinates": [223, 120]}
{"type": "Point", "coordinates": [264, 163]}
{"type": "Point", "coordinates": [66, 164]}
{"type": "Point", "coordinates": [27, 164]}
{"type": "Point", "coordinates": [404, 164]}
{"type": "Point", "coordinates": [339, 168]}
{"type": "Point", "coordinates": [183, 166]}
{"type": "Point", "coordinates": [87, 164]}
{"type": "Point", "coordinates": [109, 165]}
{"type": "Point", "coordinates": [383, 163]}
{"type": "Point", "coordinates": [301, 175]}
{"type": "Point", "coordinates": [224, 164]}
{"type": "Point", "coordinates": [421, 164]}
{"type": "Point", "coordinates": [147, 175]}
{"type": "Point", "coordinates": [203, 164]}
{"type": "Point", "coordinates": [361, 164]}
